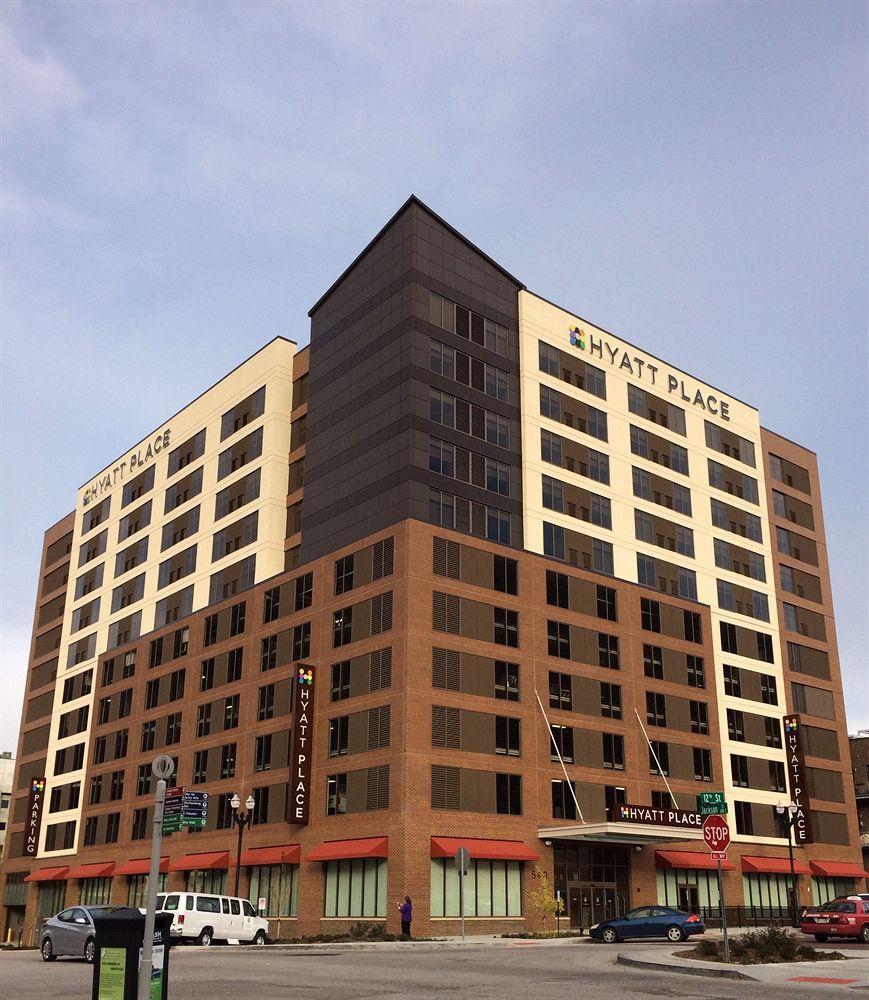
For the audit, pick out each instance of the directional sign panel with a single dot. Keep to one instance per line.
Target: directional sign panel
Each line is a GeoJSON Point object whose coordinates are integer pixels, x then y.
{"type": "Point", "coordinates": [708, 798]}
{"type": "Point", "coordinates": [715, 809]}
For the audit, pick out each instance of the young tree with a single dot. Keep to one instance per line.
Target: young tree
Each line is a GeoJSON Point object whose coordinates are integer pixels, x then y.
{"type": "Point", "coordinates": [543, 896]}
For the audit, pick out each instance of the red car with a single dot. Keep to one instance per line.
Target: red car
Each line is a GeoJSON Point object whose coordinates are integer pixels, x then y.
{"type": "Point", "coordinates": [843, 917]}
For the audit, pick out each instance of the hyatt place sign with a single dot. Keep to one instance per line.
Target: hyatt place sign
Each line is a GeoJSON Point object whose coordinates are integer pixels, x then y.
{"type": "Point", "coordinates": [131, 464]}
{"type": "Point", "coordinates": [619, 358]}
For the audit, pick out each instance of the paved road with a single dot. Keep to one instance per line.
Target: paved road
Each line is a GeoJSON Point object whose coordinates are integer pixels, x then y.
{"type": "Point", "coordinates": [519, 972]}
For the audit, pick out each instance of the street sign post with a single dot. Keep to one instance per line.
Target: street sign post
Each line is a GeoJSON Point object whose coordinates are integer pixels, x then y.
{"type": "Point", "coordinates": [463, 862]}
{"type": "Point", "coordinates": [162, 768]}
{"type": "Point", "coordinates": [172, 809]}
{"type": "Point", "coordinates": [716, 835]}
{"type": "Point", "coordinates": [712, 804]}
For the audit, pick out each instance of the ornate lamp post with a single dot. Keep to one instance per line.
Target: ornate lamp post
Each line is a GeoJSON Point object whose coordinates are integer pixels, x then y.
{"type": "Point", "coordinates": [242, 821]}
{"type": "Point", "coordinates": [788, 822]}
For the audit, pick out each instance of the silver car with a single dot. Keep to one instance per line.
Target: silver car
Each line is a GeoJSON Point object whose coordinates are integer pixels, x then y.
{"type": "Point", "coordinates": [71, 932]}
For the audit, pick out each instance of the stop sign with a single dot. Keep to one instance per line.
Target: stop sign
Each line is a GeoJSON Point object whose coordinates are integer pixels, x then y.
{"type": "Point", "coordinates": [716, 833]}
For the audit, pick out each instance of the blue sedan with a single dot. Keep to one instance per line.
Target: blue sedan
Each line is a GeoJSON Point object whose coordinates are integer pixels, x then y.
{"type": "Point", "coordinates": [649, 922]}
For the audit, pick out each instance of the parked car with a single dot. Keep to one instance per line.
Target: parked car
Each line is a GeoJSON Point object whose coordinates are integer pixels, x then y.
{"type": "Point", "coordinates": [648, 922]}
{"type": "Point", "coordinates": [71, 932]}
{"type": "Point", "coordinates": [842, 917]}
{"type": "Point", "coordinates": [207, 918]}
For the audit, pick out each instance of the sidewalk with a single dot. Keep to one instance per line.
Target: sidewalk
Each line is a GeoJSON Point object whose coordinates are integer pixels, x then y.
{"type": "Point", "coordinates": [853, 972]}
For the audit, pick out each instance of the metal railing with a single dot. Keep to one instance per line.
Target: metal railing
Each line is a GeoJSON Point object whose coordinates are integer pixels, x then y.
{"type": "Point", "coordinates": [747, 916]}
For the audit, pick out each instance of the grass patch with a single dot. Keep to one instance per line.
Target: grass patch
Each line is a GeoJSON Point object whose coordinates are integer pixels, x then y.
{"type": "Point", "coordinates": [542, 935]}
{"type": "Point", "coordinates": [770, 946]}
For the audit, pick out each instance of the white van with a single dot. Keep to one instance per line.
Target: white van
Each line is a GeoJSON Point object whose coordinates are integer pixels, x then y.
{"type": "Point", "coordinates": [208, 918]}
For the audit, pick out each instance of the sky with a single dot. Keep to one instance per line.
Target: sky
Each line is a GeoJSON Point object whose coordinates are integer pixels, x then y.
{"type": "Point", "coordinates": [181, 182]}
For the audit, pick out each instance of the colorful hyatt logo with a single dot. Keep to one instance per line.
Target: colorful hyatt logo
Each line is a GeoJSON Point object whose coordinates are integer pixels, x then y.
{"type": "Point", "coordinates": [577, 338]}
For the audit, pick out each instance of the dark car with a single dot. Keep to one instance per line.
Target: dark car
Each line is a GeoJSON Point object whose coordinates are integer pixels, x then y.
{"type": "Point", "coordinates": [70, 933]}
{"type": "Point", "coordinates": [842, 917]}
{"type": "Point", "coordinates": [649, 922]}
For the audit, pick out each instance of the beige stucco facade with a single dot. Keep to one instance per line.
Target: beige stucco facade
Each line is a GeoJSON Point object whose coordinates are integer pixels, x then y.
{"type": "Point", "coordinates": [272, 368]}
{"type": "Point", "coordinates": [625, 365]}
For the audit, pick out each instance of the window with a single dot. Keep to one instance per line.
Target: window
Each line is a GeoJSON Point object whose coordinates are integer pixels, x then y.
{"type": "Point", "coordinates": [653, 662]}
{"type": "Point", "coordinates": [339, 732]}
{"type": "Point", "coordinates": [497, 430]}
{"type": "Point", "coordinates": [116, 791]}
{"type": "Point", "coordinates": [684, 541]}
{"type": "Point", "coordinates": [739, 770]}
{"type": "Point", "coordinates": [549, 359]}
{"type": "Point", "coordinates": [506, 627]}
{"type": "Point", "coordinates": [557, 589]}
{"type": "Point", "coordinates": [143, 779]}
{"type": "Point", "coordinates": [661, 800]}
{"type": "Point", "coordinates": [304, 591]}
{"type": "Point", "coordinates": [679, 459]}
{"type": "Point", "coordinates": [336, 794]}
{"type": "Point", "coordinates": [702, 764]}
{"type": "Point", "coordinates": [505, 575]}
{"type": "Point", "coordinates": [113, 827]}
{"type": "Point", "coordinates": [553, 540]}
{"type": "Point", "coordinates": [596, 423]}
{"type": "Point", "coordinates": [744, 824]}
{"type": "Point", "coordinates": [699, 717]}
{"type": "Point", "coordinates": [176, 684]}
{"type": "Point", "coordinates": [644, 527]}
{"type": "Point", "coordinates": [200, 767]}
{"type": "Point", "coordinates": [553, 494]}
{"type": "Point", "coordinates": [262, 756]}
{"type": "Point", "coordinates": [688, 584]}
{"type": "Point", "coordinates": [271, 605]}
{"type": "Point", "coordinates": [497, 477]}
{"type": "Point", "coordinates": [639, 442]}
{"type": "Point", "coordinates": [227, 760]}
{"type": "Point", "coordinates": [602, 556]}
{"type": "Point", "coordinates": [497, 525]}
{"type": "Point", "coordinates": [558, 639]}
{"type": "Point", "coordinates": [650, 614]}
{"type": "Point", "coordinates": [642, 483]}
{"type": "Point", "coordinates": [95, 791]}
{"type": "Point", "coordinates": [563, 804]}
{"type": "Point", "coordinates": [508, 794]}
{"type": "Point", "coordinates": [725, 595]}
{"type": "Point", "coordinates": [646, 573]}
{"type": "Point", "coordinates": [507, 735]}
{"type": "Point", "coordinates": [344, 574]}
{"type": "Point", "coordinates": [149, 730]}
{"type": "Point", "coordinates": [656, 709]}
{"type": "Point", "coordinates": [598, 466]}
{"type": "Point", "coordinates": [560, 691]}
{"type": "Point", "coordinates": [606, 603]}
{"type": "Point", "coordinates": [696, 675]}
{"type": "Point", "coordinates": [550, 448]}
{"type": "Point", "coordinates": [342, 627]}
{"type": "Point", "coordinates": [682, 499]}
{"type": "Point", "coordinates": [355, 888]}
{"type": "Point", "coordinates": [735, 725]}
{"type": "Point", "coordinates": [234, 664]}
{"type": "Point", "coordinates": [613, 798]}
{"type": "Point", "coordinates": [608, 650]}
{"type": "Point", "coordinates": [772, 732]}
{"type": "Point", "coordinates": [729, 641]}
{"type": "Point", "coordinates": [768, 690]}
{"type": "Point", "coordinates": [266, 703]}
{"type": "Point", "coordinates": [173, 728]}
{"type": "Point", "coordinates": [140, 824]}
{"type": "Point", "coordinates": [550, 403]}
{"type": "Point", "coordinates": [340, 687]}
{"type": "Point", "coordinates": [302, 638]}
{"type": "Point", "coordinates": [692, 626]}
{"type": "Point", "coordinates": [776, 776]}
{"type": "Point", "coordinates": [442, 359]}
{"type": "Point", "coordinates": [659, 758]}
{"type": "Point", "coordinates": [601, 511]}
{"type": "Point", "coordinates": [613, 751]}
{"type": "Point", "coordinates": [442, 408]}
{"type": "Point", "coordinates": [230, 711]}
{"type": "Point", "coordinates": [506, 681]}
{"type": "Point", "coordinates": [203, 720]}
{"type": "Point", "coordinates": [237, 615]}
{"type": "Point", "coordinates": [610, 701]}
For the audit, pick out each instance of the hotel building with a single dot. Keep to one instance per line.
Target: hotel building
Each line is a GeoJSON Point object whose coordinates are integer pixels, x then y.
{"type": "Point", "coordinates": [537, 574]}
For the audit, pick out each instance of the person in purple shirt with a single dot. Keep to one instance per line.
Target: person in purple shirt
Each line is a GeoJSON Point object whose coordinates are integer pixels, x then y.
{"type": "Point", "coordinates": [406, 909]}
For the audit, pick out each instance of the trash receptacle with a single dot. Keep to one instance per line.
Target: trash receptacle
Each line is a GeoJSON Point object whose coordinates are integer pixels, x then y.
{"type": "Point", "coordinates": [120, 934]}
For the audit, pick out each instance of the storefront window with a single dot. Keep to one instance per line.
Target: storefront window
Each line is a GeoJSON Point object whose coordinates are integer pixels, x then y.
{"type": "Point", "coordinates": [767, 894]}
{"type": "Point", "coordinates": [96, 891]}
{"type": "Point", "coordinates": [52, 898]}
{"type": "Point", "coordinates": [688, 888]}
{"type": "Point", "coordinates": [825, 888]}
{"type": "Point", "coordinates": [279, 886]}
{"type": "Point", "coordinates": [137, 888]}
{"type": "Point", "coordinates": [355, 887]}
{"type": "Point", "coordinates": [492, 889]}
{"type": "Point", "coordinates": [207, 880]}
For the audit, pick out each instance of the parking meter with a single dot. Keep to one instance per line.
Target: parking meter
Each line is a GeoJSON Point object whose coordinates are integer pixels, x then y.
{"type": "Point", "coordinates": [119, 936]}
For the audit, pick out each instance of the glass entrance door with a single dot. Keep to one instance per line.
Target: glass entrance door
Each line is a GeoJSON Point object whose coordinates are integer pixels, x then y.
{"type": "Point", "coordinates": [689, 898]}
{"type": "Point", "coordinates": [591, 904]}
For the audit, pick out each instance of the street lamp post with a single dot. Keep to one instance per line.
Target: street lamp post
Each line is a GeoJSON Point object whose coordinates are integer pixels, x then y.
{"type": "Point", "coordinates": [788, 822]}
{"type": "Point", "coordinates": [242, 821]}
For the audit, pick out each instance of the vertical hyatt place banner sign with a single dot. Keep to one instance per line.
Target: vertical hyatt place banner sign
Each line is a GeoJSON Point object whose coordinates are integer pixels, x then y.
{"type": "Point", "coordinates": [300, 758]}
{"type": "Point", "coordinates": [796, 768]}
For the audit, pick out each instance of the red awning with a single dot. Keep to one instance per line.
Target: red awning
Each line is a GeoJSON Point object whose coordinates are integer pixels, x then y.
{"type": "Point", "coordinates": [337, 850]}
{"type": "Point", "coordinates": [47, 874]}
{"type": "Point", "coordinates": [497, 850]}
{"type": "Point", "coordinates": [773, 866]}
{"type": "Point", "coordinates": [689, 859]}
{"type": "Point", "coordinates": [101, 869]}
{"type": "Point", "coordinates": [288, 854]}
{"type": "Point", "coordinates": [141, 866]}
{"type": "Point", "coordinates": [841, 869]}
{"type": "Point", "coordinates": [193, 862]}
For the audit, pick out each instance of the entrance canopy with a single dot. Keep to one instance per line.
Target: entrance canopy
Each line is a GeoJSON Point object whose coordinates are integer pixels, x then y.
{"type": "Point", "coordinates": [621, 833]}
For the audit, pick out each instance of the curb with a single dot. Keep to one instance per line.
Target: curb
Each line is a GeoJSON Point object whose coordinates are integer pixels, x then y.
{"type": "Point", "coordinates": [685, 970]}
